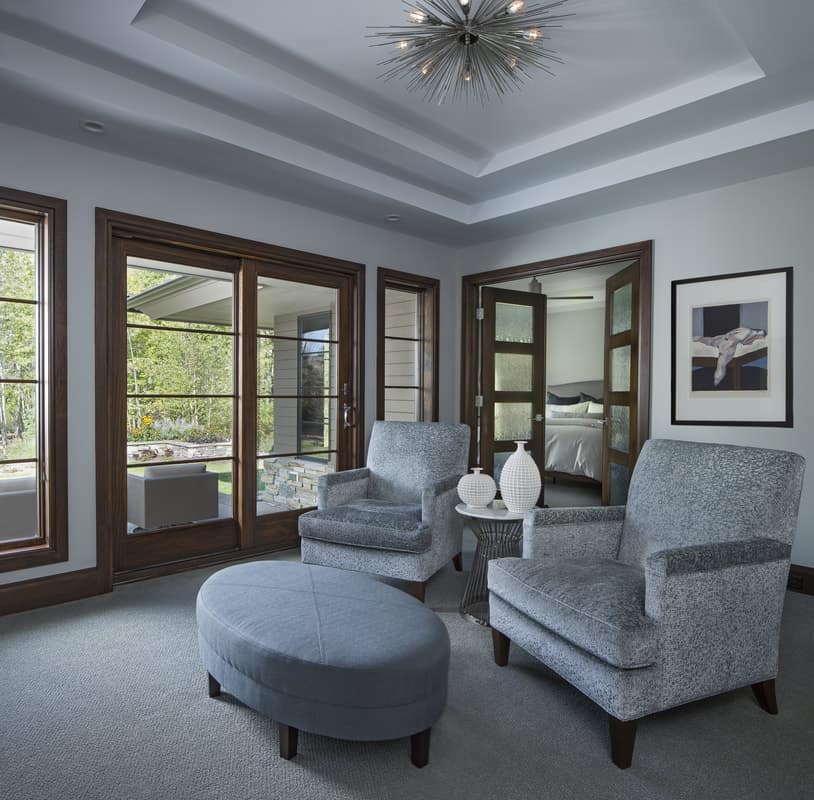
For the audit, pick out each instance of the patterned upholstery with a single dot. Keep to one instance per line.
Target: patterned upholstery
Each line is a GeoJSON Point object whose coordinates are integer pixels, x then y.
{"type": "Point", "coordinates": [706, 537]}
{"type": "Point", "coordinates": [396, 516]}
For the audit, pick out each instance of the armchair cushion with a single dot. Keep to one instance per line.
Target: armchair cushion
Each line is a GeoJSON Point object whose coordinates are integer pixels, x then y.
{"type": "Point", "coordinates": [596, 604]}
{"type": "Point", "coordinates": [377, 524]}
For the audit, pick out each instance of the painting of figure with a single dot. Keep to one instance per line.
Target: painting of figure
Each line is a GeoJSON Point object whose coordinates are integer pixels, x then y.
{"type": "Point", "coordinates": [730, 347]}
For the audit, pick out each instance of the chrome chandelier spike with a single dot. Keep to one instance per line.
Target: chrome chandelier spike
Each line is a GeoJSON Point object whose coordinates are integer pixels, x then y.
{"type": "Point", "coordinates": [452, 49]}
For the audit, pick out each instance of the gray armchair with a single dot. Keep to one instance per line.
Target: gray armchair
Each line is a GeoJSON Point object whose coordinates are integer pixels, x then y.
{"type": "Point", "coordinates": [675, 597]}
{"type": "Point", "coordinates": [396, 516]}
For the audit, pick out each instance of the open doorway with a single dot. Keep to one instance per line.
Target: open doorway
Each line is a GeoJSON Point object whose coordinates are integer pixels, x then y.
{"type": "Point", "coordinates": [558, 354]}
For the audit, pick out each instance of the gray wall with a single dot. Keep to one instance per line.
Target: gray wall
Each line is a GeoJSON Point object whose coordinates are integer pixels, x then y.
{"type": "Point", "coordinates": [754, 225]}
{"type": "Point", "coordinates": [575, 346]}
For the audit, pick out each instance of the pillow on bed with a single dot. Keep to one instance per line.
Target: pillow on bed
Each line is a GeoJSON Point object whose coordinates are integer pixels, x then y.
{"type": "Point", "coordinates": [589, 398]}
{"type": "Point", "coordinates": [556, 400]}
{"type": "Point", "coordinates": [596, 408]}
{"type": "Point", "coordinates": [574, 410]}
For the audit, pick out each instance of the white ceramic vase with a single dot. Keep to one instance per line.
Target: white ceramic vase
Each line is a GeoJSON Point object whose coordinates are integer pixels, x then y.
{"type": "Point", "coordinates": [477, 490]}
{"type": "Point", "coordinates": [520, 481]}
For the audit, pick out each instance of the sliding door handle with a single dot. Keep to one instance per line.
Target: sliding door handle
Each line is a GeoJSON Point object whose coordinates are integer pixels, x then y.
{"type": "Point", "coordinates": [347, 417]}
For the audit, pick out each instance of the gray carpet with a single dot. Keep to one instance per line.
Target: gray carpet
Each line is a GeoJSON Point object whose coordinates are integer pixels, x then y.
{"type": "Point", "coordinates": [105, 698]}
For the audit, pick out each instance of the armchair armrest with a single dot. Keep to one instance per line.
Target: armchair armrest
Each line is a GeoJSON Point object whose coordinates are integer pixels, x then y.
{"type": "Point", "coordinates": [716, 556]}
{"type": "Point", "coordinates": [337, 488]}
{"type": "Point", "coordinates": [573, 532]}
{"type": "Point", "coordinates": [438, 492]}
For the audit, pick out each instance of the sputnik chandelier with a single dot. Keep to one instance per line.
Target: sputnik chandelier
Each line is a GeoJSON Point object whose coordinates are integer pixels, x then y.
{"type": "Point", "coordinates": [470, 48]}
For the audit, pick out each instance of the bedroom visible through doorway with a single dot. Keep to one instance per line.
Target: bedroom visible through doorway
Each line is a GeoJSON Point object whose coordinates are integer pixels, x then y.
{"type": "Point", "coordinates": [562, 362]}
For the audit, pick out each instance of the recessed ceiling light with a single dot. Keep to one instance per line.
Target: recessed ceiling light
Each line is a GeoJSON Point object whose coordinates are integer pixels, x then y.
{"type": "Point", "coordinates": [393, 218]}
{"type": "Point", "coordinates": [93, 126]}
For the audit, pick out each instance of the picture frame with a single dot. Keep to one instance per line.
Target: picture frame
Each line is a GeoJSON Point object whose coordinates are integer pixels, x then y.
{"type": "Point", "coordinates": [732, 349]}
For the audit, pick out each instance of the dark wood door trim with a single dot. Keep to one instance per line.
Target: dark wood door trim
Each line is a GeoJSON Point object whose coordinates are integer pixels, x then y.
{"type": "Point", "coordinates": [114, 227]}
{"type": "Point", "coordinates": [471, 285]}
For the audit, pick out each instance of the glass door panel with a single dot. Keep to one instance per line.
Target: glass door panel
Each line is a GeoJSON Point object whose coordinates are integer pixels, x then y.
{"type": "Point", "coordinates": [180, 356]}
{"type": "Point", "coordinates": [297, 392]}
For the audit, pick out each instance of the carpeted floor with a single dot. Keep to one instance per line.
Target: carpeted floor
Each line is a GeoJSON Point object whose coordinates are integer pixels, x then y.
{"type": "Point", "coordinates": [105, 698]}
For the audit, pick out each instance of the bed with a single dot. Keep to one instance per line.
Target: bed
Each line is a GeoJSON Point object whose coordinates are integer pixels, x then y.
{"type": "Point", "coordinates": [574, 445]}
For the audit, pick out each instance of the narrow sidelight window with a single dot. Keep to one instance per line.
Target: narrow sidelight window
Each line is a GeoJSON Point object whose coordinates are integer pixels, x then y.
{"type": "Point", "coordinates": [33, 493]}
{"type": "Point", "coordinates": [407, 388]}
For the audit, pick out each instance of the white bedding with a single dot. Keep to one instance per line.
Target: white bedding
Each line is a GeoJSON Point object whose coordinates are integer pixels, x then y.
{"type": "Point", "coordinates": [574, 446]}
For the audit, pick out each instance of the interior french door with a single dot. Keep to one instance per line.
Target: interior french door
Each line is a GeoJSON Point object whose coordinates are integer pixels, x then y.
{"type": "Point", "coordinates": [513, 381]}
{"type": "Point", "coordinates": [623, 435]}
{"type": "Point", "coordinates": [232, 390]}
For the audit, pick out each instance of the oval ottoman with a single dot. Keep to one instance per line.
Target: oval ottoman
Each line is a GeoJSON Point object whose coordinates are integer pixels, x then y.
{"type": "Point", "coordinates": [325, 651]}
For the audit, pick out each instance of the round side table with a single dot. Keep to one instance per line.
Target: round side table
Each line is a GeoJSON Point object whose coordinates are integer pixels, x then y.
{"type": "Point", "coordinates": [499, 533]}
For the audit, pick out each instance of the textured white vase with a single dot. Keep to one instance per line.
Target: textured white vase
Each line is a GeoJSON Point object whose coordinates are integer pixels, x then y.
{"type": "Point", "coordinates": [477, 490]}
{"type": "Point", "coordinates": [520, 481]}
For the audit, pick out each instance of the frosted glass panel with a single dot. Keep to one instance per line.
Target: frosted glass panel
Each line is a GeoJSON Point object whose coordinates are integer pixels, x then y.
{"type": "Point", "coordinates": [619, 481]}
{"type": "Point", "coordinates": [622, 309]}
{"type": "Point", "coordinates": [514, 323]}
{"type": "Point", "coordinates": [512, 422]}
{"type": "Point", "coordinates": [513, 372]}
{"type": "Point", "coordinates": [620, 428]}
{"type": "Point", "coordinates": [620, 369]}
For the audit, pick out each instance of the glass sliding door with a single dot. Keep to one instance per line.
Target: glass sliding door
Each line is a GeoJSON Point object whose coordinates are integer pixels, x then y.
{"type": "Point", "coordinates": [180, 414]}
{"type": "Point", "coordinates": [226, 386]}
{"type": "Point", "coordinates": [297, 392]}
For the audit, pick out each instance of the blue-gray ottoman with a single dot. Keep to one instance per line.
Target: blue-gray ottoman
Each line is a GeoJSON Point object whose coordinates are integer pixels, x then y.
{"type": "Point", "coordinates": [325, 651]}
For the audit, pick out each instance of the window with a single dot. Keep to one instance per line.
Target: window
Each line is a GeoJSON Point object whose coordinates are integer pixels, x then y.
{"type": "Point", "coordinates": [33, 494]}
{"type": "Point", "coordinates": [407, 347]}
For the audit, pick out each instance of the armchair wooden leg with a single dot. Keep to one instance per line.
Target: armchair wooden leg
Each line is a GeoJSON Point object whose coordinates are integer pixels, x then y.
{"type": "Point", "coordinates": [214, 686]}
{"type": "Point", "coordinates": [420, 748]}
{"type": "Point", "coordinates": [288, 741]}
{"type": "Point", "coordinates": [417, 589]}
{"type": "Point", "coordinates": [457, 562]}
{"type": "Point", "coordinates": [623, 738]}
{"type": "Point", "coordinates": [765, 696]}
{"type": "Point", "coordinates": [500, 646]}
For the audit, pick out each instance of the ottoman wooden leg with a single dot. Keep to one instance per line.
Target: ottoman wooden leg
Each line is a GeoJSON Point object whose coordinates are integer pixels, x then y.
{"type": "Point", "coordinates": [214, 687]}
{"type": "Point", "coordinates": [288, 741]}
{"type": "Point", "coordinates": [457, 562]}
{"type": "Point", "coordinates": [420, 748]}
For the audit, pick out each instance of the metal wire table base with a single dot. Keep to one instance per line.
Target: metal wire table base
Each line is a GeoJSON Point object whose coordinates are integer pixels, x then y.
{"type": "Point", "coordinates": [496, 539]}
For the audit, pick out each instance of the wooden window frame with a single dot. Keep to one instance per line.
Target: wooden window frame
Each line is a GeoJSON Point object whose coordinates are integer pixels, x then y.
{"type": "Point", "coordinates": [51, 545]}
{"type": "Point", "coordinates": [428, 291]}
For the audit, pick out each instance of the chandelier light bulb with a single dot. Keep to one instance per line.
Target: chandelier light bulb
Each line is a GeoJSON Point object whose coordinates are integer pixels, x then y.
{"type": "Point", "coordinates": [467, 73]}
{"type": "Point", "coordinates": [533, 35]}
{"type": "Point", "coordinates": [404, 45]}
{"type": "Point", "coordinates": [515, 7]}
{"type": "Point", "coordinates": [418, 17]}
{"type": "Point", "coordinates": [465, 5]}
{"type": "Point", "coordinates": [427, 68]}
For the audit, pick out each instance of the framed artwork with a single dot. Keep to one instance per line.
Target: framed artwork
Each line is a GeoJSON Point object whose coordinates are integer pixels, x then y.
{"type": "Point", "coordinates": [732, 349]}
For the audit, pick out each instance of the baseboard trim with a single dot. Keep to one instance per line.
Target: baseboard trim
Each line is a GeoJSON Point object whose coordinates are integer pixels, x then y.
{"type": "Point", "coordinates": [184, 565]}
{"type": "Point", "coordinates": [50, 590]}
{"type": "Point", "coordinates": [801, 579]}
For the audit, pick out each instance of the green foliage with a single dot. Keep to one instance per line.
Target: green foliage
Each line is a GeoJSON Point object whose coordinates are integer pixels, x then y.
{"type": "Point", "coordinates": [17, 355]}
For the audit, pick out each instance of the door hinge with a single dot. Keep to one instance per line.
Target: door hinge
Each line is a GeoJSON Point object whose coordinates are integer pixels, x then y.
{"type": "Point", "coordinates": [479, 313]}
{"type": "Point", "coordinates": [479, 401]}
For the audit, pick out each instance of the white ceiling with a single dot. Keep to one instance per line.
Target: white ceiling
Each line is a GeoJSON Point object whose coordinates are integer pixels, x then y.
{"type": "Point", "coordinates": [284, 98]}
